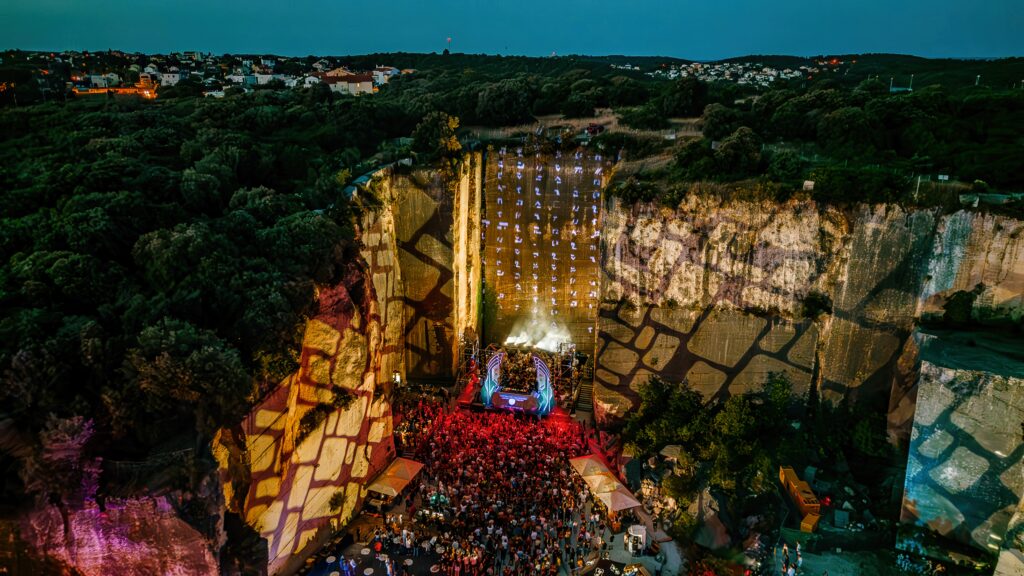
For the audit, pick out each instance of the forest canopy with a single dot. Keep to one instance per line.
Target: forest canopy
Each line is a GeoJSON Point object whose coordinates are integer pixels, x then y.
{"type": "Point", "coordinates": [160, 257]}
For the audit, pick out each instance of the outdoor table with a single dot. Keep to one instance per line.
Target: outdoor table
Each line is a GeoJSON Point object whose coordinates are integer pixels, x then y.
{"type": "Point", "coordinates": [368, 571]}
{"type": "Point", "coordinates": [365, 551]}
{"type": "Point", "coordinates": [435, 569]}
{"type": "Point", "coordinates": [331, 559]}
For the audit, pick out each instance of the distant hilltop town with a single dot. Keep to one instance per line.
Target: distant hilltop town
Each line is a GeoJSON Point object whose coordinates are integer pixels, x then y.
{"type": "Point", "coordinates": [740, 72]}
{"type": "Point", "coordinates": [117, 72]}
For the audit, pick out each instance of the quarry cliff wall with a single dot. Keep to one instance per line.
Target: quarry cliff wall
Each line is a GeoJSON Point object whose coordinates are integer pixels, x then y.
{"type": "Point", "coordinates": [398, 309]}
{"type": "Point", "coordinates": [965, 477]}
{"type": "Point", "coordinates": [325, 430]}
{"type": "Point", "coordinates": [723, 292]}
{"type": "Point", "coordinates": [437, 232]}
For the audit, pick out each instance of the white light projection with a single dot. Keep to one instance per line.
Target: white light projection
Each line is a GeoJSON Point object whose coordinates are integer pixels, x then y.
{"type": "Point", "coordinates": [541, 234]}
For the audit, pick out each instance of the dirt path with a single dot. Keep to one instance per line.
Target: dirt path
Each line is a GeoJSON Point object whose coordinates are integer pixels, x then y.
{"type": "Point", "coordinates": [679, 127]}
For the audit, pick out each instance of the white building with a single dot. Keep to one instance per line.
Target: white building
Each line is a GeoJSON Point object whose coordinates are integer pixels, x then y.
{"type": "Point", "coordinates": [356, 84]}
{"type": "Point", "coordinates": [381, 74]}
{"type": "Point", "coordinates": [170, 78]}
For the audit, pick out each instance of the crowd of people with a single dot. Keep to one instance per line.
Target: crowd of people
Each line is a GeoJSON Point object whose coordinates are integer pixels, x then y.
{"type": "Point", "coordinates": [518, 372]}
{"type": "Point", "coordinates": [412, 421]}
{"type": "Point", "coordinates": [496, 497]}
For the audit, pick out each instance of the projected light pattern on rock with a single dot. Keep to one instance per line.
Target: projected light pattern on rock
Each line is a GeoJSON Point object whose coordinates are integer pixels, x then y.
{"type": "Point", "coordinates": [542, 242]}
{"type": "Point", "coordinates": [293, 475]}
{"type": "Point", "coordinates": [964, 471]}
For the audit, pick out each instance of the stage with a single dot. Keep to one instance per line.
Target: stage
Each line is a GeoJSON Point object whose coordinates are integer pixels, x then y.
{"type": "Point", "coordinates": [521, 379]}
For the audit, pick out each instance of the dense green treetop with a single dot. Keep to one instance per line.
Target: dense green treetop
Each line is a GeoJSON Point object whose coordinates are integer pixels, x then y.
{"type": "Point", "coordinates": [159, 258]}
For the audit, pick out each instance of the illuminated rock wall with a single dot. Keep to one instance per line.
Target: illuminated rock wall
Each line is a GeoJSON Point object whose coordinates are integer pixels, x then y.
{"type": "Point", "coordinates": [973, 248]}
{"type": "Point", "coordinates": [293, 477]}
{"type": "Point", "coordinates": [542, 244]}
{"type": "Point", "coordinates": [965, 477]}
{"type": "Point", "coordinates": [131, 537]}
{"type": "Point", "coordinates": [417, 268]}
{"type": "Point", "coordinates": [714, 291]}
{"type": "Point", "coordinates": [437, 227]}
{"type": "Point", "coordinates": [719, 351]}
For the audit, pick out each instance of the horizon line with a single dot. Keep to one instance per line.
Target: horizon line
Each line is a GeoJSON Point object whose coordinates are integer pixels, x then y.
{"type": "Point", "coordinates": [512, 55]}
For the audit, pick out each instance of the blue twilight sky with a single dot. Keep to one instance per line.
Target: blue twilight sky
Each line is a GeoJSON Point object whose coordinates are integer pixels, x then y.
{"type": "Point", "coordinates": [706, 29]}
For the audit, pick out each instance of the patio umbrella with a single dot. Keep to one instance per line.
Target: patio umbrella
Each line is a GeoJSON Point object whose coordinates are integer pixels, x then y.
{"type": "Point", "coordinates": [618, 499]}
{"type": "Point", "coordinates": [404, 468]}
{"type": "Point", "coordinates": [588, 465]}
{"type": "Point", "coordinates": [603, 482]}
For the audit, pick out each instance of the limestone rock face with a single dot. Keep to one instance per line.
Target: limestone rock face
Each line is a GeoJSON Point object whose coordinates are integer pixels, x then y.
{"type": "Point", "coordinates": [720, 351]}
{"type": "Point", "coordinates": [353, 344]}
{"type": "Point", "coordinates": [295, 473]}
{"type": "Point", "coordinates": [964, 477]}
{"type": "Point", "coordinates": [134, 537]}
{"type": "Point", "coordinates": [718, 292]}
{"type": "Point", "coordinates": [435, 223]}
{"type": "Point", "coordinates": [972, 249]}
{"type": "Point", "coordinates": [753, 255]}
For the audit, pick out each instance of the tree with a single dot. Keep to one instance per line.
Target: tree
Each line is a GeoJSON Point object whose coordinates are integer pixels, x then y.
{"type": "Point", "coordinates": [778, 395]}
{"type": "Point", "coordinates": [645, 117]}
{"type": "Point", "coordinates": [435, 136]}
{"type": "Point", "coordinates": [624, 91]}
{"type": "Point", "coordinates": [185, 370]}
{"type": "Point", "coordinates": [720, 121]}
{"type": "Point", "coordinates": [504, 103]}
{"type": "Point", "coordinates": [869, 435]}
{"type": "Point", "coordinates": [856, 184]}
{"type": "Point", "coordinates": [739, 155]}
{"type": "Point", "coordinates": [580, 105]}
{"type": "Point", "coordinates": [785, 166]}
{"type": "Point", "coordinates": [872, 87]}
{"type": "Point", "coordinates": [319, 93]}
{"type": "Point", "coordinates": [846, 133]}
{"type": "Point", "coordinates": [684, 97]}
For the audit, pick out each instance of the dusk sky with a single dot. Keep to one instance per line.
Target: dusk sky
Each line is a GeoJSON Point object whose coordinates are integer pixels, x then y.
{"type": "Point", "coordinates": [683, 28]}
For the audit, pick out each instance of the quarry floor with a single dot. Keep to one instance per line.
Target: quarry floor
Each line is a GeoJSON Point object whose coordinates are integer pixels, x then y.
{"type": "Point", "coordinates": [875, 563]}
{"type": "Point", "coordinates": [421, 565]}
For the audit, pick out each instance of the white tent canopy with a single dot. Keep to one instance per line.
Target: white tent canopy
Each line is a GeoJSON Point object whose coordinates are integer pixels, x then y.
{"type": "Point", "coordinates": [603, 484]}
{"type": "Point", "coordinates": [618, 499]}
{"type": "Point", "coordinates": [395, 477]}
{"type": "Point", "coordinates": [588, 465]}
